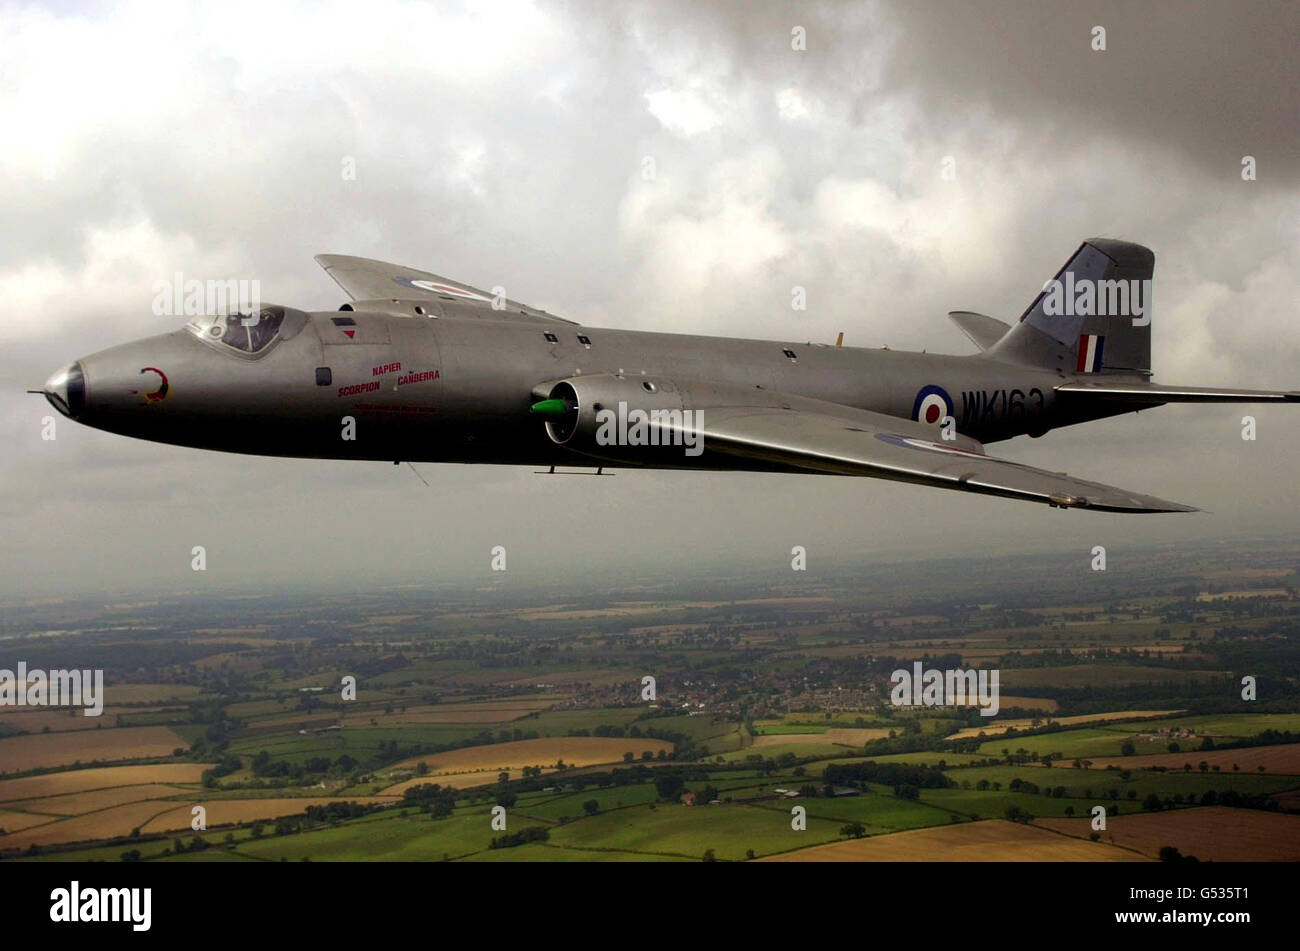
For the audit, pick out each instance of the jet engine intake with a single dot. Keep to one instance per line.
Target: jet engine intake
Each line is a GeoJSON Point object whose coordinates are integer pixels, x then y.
{"type": "Point", "coordinates": [603, 413]}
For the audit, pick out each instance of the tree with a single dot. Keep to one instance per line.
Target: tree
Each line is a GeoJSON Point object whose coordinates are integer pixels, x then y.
{"type": "Point", "coordinates": [854, 830]}
{"type": "Point", "coordinates": [1127, 748]}
{"type": "Point", "coordinates": [668, 786]}
{"type": "Point", "coordinates": [591, 807]}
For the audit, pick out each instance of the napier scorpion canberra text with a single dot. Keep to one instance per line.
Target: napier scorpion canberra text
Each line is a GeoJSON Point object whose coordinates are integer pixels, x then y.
{"type": "Point", "coordinates": [428, 369]}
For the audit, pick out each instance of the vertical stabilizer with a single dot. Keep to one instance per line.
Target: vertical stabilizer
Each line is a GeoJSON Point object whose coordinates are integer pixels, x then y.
{"type": "Point", "coordinates": [1093, 317]}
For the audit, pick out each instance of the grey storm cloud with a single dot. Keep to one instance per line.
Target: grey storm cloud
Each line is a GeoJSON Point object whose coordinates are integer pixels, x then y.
{"type": "Point", "coordinates": [510, 144]}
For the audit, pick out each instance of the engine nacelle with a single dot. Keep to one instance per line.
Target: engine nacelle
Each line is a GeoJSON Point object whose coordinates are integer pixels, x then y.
{"type": "Point", "coordinates": [619, 416]}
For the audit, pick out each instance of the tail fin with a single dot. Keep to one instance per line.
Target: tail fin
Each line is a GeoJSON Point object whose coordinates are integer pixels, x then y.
{"type": "Point", "coordinates": [1093, 317]}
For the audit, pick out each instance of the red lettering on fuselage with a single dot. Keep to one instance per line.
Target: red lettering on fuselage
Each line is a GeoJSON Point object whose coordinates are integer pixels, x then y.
{"type": "Point", "coordinates": [359, 388]}
{"type": "Point", "coordinates": [385, 368]}
{"type": "Point", "coordinates": [423, 376]}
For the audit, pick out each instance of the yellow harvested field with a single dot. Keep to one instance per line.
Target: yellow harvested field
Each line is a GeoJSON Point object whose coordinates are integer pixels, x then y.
{"type": "Point", "coordinates": [1283, 760]}
{"type": "Point", "coordinates": [993, 840]}
{"type": "Point", "coordinates": [15, 821]}
{"type": "Point", "coordinates": [1213, 834]}
{"type": "Point", "coordinates": [227, 811]}
{"type": "Point", "coordinates": [80, 780]}
{"type": "Point", "coordinates": [998, 727]}
{"type": "Point", "coordinates": [105, 824]}
{"type": "Point", "coordinates": [545, 751]}
{"type": "Point", "coordinates": [456, 780]}
{"type": "Point", "coordinates": [76, 804]}
{"type": "Point", "coordinates": [1029, 703]}
{"type": "Point", "coordinates": [18, 753]}
{"type": "Point", "coordinates": [853, 736]}
{"type": "Point", "coordinates": [36, 721]}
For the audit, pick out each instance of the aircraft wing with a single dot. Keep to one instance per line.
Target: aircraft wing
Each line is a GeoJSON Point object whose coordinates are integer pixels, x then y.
{"type": "Point", "coordinates": [845, 441]}
{"type": "Point", "coordinates": [1155, 394]}
{"type": "Point", "coordinates": [365, 279]}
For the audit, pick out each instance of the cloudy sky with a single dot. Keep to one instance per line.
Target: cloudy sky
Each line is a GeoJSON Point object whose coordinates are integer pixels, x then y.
{"type": "Point", "coordinates": [504, 143]}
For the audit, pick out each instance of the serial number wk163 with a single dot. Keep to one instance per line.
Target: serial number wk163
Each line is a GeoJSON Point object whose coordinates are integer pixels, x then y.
{"type": "Point", "coordinates": [1001, 404]}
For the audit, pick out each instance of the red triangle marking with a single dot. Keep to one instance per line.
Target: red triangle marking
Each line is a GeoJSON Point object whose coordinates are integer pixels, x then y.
{"type": "Point", "coordinates": [349, 333]}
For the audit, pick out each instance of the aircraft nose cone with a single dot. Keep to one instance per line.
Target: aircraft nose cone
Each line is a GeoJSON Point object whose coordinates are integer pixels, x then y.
{"type": "Point", "coordinates": [66, 390]}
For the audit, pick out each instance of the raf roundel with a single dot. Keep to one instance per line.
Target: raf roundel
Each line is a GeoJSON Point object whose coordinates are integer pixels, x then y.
{"type": "Point", "coordinates": [932, 404]}
{"type": "Point", "coordinates": [441, 289]}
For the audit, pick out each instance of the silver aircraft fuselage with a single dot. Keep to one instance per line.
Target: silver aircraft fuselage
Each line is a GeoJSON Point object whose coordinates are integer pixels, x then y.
{"type": "Point", "coordinates": [455, 388]}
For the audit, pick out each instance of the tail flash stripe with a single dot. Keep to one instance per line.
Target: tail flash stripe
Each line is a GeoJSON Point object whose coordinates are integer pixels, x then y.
{"type": "Point", "coordinates": [1090, 347]}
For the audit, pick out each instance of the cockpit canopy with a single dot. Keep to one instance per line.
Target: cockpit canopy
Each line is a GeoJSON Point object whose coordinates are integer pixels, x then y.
{"type": "Point", "coordinates": [247, 332]}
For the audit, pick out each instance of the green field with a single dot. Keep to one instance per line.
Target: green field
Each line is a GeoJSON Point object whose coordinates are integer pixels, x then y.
{"type": "Point", "coordinates": [1229, 724]}
{"type": "Point", "coordinates": [1019, 679]}
{"type": "Point", "coordinates": [1100, 781]}
{"type": "Point", "coordinates": [1071, 744]}
{"type": "Point", "coordinates": [357, 741]}
{"type": "Point", "coordinates": [877, 809]}
{"type": "Point", "coordinates": [687, 831]}
{"type": "Point", "coordinates": [797, 749]}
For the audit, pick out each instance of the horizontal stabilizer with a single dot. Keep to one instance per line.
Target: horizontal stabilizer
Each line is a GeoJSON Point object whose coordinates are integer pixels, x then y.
{"type": "Point", "coordinates": [983, 331]}
{"type": "Point", "coordinates": [1154, 394]}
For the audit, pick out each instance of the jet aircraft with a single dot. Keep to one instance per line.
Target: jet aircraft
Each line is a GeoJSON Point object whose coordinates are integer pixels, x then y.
{"type": "Point", "coordinates": [420, 368]}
